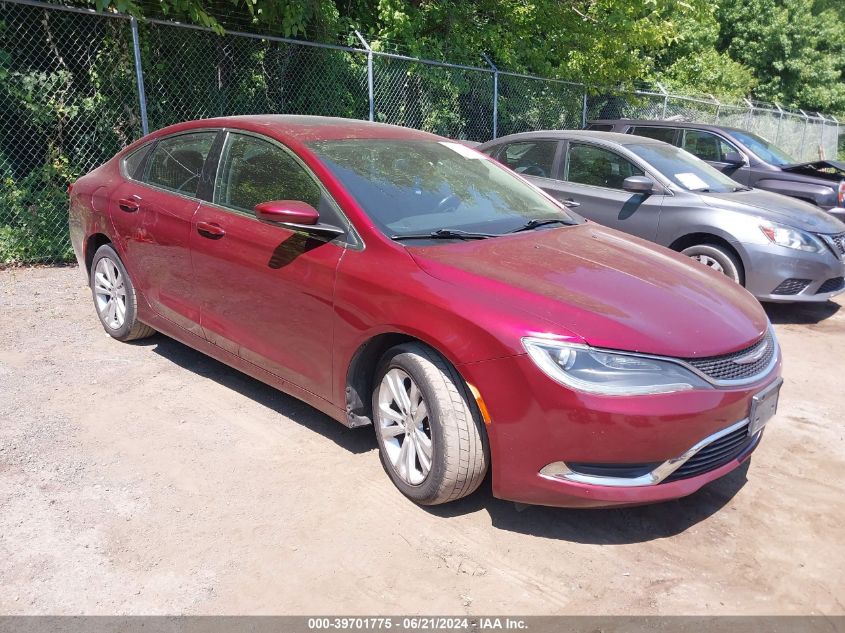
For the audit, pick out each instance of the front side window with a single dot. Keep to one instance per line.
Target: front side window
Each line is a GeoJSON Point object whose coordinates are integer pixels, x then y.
{"type": "Point", "coordinates": [177, 162]}
{"type": "Point", "coordinates": [596, 166]}
{"type": "Point", "coordinates": [530, 158]}
{"type": "Point", "coordinates": [767, 151]}
{"type": "Point", "coordinates": [706, 146]}
{"type": "Point", "coordinates": [411, 187]}
{"type": "Point", "coordinates": [682, 168]}
{"type": "Point", "coordinates": [254, 170]}
{"type": "Point", "coordinates": [665, 134]}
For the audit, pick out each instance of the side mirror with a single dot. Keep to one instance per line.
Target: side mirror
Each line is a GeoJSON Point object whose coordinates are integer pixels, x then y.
{"type": "Point", "coordinates": [287, 212]}
{"type": "Point", "coordinates": [297, 215]}
{"type": "Point", "coordinates": [638, 184]}
{"type": "Point", "coordinates": [734, 158]}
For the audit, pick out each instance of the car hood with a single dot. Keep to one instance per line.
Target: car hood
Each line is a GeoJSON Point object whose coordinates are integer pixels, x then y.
{"type": "Point", "coordinates": [609, 289]}
{"type": "Point", "coordinates": [827, 165]}
{"type": "Point", "coordinates": [776, 208]}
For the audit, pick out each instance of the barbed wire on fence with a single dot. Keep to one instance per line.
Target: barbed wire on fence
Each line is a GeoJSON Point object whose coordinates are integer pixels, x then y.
{"type": "Point", "coordinates": [77, 85]}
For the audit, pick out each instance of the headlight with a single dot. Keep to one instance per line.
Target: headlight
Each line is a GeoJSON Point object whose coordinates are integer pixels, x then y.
{"type": "Point", "coordinates": [791, 238]}
{"type": "Point", "coordinates": [609, 373]}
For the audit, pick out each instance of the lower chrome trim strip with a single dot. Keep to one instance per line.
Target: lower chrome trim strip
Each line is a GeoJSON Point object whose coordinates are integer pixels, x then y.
{"type": "Point", "coordinates": [559, 470]}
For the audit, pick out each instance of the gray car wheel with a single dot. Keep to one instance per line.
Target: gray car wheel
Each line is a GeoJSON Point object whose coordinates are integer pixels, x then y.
{"type": "Point", "coordinates": [114, 297]}
{"type": "Point", "coordinates": [430, 436]}
{"type": "Point", "coordinates": [718, 258]}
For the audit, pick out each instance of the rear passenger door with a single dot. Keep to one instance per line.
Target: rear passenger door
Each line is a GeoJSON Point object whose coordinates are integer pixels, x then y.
{"type": "Point", "coordinates": [151, 213]}
{"type": "Point", "coordinates": [592, 177]}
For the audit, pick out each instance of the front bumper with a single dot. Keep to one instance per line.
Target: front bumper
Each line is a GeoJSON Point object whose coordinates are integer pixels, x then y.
{"type": "Point", "coordinates": [549, 424]}
{"type": "Point", "coordinates": [779, 274]}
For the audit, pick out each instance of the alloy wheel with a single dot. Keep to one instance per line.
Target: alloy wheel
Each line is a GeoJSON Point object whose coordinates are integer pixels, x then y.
{"type": "Point", "coordinates": [110, 293]}
{"type": "Point", "coordinates": [404, 426]}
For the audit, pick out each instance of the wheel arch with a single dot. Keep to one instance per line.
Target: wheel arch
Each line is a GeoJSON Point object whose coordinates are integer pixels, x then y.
{"type": "Point", "coordinates": [361, 369]}
{"type": "Point", "coordinates": [699, 238]}
{"type": "Point", "coordinates": [92, 243]}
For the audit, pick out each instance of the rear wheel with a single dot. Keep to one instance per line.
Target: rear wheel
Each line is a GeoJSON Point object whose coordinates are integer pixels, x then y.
{"type": "Point", "coordinates": [718, 258]}
{"type": "Point", "coordinates": [114, 297]}
{"type": "Point", "coordinates": [428, 429]}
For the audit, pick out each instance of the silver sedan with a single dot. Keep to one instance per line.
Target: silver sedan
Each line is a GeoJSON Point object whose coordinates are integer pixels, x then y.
{"type": "Point", "coordinates": [779, 248]}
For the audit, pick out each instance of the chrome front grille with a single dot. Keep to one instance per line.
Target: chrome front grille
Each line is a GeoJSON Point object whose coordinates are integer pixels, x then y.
{"type": "Point", "coordinates": [715, 454]}
{"type": "Point", "coordinates": [744, 364]}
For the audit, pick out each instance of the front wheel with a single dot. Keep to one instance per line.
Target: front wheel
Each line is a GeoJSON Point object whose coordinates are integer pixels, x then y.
{"type": "Point", "coordinates": [114, 297]}
{"type": "Point", "coordinates": [718, 258]}
{"type": "Point", "coordinates": [430, 436]}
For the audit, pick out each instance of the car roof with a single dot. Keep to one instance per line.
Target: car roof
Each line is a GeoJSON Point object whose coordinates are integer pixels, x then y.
{"type": "Point", "coordinates": [665, 123]}
{"type": "Point", "coordinates": [305, 128]}
{"type": "Point", "coordinates": [586, 135]}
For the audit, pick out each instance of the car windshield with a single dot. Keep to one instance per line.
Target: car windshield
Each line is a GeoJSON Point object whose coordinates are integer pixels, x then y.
{"type": "Point", "coordinates": [413, 188]}
{"type": "Point", "coordinates": [682, 168]}
{"type": "Point", "coordinates": [764, 149]}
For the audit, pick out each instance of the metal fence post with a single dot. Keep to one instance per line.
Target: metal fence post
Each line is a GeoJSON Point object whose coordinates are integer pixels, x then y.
{"type": "Point", "coordinates": [803, 133]}
{"type": "Point", "coordinates": [495, 94]}
{"type": "Point", "coordinates": [139, 76]}
{"type": "Point", "coordinates": [749, 115]}
{"type": "Point", "coordinates": [370, 91]}
{"type": "Point", "coordinates": [584, 109]}
{"type": "Point", "coordinates": [665, 99]}
{"type": "Point", "coordinates": [718, 107]}
{"type": "Point", "coordinates": [780, 120]}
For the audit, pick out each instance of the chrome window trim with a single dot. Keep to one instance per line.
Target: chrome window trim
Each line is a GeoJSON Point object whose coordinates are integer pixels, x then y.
{"type": "Point", "coordinates": [561, 471]}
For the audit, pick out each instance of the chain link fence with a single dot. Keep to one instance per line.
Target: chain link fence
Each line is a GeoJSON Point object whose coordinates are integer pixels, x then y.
{"type": "Point", "coordinates": [76, 86]}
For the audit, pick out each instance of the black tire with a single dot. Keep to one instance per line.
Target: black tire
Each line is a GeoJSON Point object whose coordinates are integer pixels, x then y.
{"type": "Point", "coordinates": [460, 454]}
{"type": "Point", "coordinates": [131, 329]}
{"type": "Point", "coordinates": [725, 258]}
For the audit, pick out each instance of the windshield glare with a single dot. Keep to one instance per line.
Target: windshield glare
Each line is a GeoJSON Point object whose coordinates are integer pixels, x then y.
{"type": "Point", "coordinates": [417, 187]}
{"type": "Point", "coordinates": [685, 170]}
{"type": "Point", "coordinates": [764, 149]}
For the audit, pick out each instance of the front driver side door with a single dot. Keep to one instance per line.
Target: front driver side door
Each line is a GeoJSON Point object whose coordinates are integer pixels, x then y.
{"type": "Point", "coordinates": [593, 177]}
{"type": "Point", "coordinates": [267, 291]}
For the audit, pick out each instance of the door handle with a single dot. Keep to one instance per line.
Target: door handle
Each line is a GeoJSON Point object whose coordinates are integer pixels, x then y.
{"type": "Point", "coordinates": [569, 203]}
{"type": "Point", "coordinates": [130, 204]}
{"type": "Point", "coordinates": [210, 230]}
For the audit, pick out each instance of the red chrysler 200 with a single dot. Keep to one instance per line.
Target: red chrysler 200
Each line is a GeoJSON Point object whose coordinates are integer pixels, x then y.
{"type": "Point", "coordinates": [392, 277]}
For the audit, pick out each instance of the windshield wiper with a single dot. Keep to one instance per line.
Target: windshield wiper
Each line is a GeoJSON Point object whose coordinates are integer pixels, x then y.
{"type": "Point", "coordinates": [445, 234]}
{"type": "Point", "coordinates": [533, 224]}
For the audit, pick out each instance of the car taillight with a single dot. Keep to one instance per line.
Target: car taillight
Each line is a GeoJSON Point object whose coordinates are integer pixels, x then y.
{"type": "Point", "coordinates": [841, 197]}
{"type": "Point", "coordinates": [70, 190]}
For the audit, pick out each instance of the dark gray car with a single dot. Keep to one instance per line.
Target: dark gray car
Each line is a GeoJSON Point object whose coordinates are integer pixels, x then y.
{"type": "Point", "coordinates": [780, 248]}
{"type": "Point", "coordinates": [747, 158]}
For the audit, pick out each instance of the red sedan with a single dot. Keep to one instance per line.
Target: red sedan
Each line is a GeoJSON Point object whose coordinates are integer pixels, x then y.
{"type": "Point", "coordinates": [392, 277]}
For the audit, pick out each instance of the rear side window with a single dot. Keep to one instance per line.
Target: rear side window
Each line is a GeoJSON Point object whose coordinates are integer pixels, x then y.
{"type": "Point", "coordinates": [600, 127]}
{"type": "Point", "coordinates": [133, 162]}
{"type": "Point", "coordinates": [705, 145]}
{"type": "Point", "coordinates": [530, 158]}
{"type": "Point", "coordinates": [665, 134]}
{"type": "Point", "coordinates": [591, 165]}
{"type": "Point", "coordinates": [177, 162]}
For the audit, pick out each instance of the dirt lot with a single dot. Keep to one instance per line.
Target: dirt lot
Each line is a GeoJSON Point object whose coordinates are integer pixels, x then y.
{"type": "Point", "coordinates": [147, 478]}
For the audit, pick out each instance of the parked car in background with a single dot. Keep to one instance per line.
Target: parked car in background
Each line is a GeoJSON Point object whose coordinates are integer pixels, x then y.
{"type": "Point", "coordinates": [779, 248]}
{"type": "Point", "coordinates": [747, 158]}
{"type": "Point", "coordinates": [391, 277]}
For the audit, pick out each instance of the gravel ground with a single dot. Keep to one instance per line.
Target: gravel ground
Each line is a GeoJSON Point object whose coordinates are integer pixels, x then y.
{"type": "Point", "coordinates": [147, 478]}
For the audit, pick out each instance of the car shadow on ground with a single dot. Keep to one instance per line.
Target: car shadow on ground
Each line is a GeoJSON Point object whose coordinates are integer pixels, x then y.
{"type": "Point", "coordinates": [800, 313]}
{"type": "Point", "coordinates": [610, 526]}
{"type": "Point", "coordinates": [605, 526]}
{"type": "Point", "coordinates": [352, 440]}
